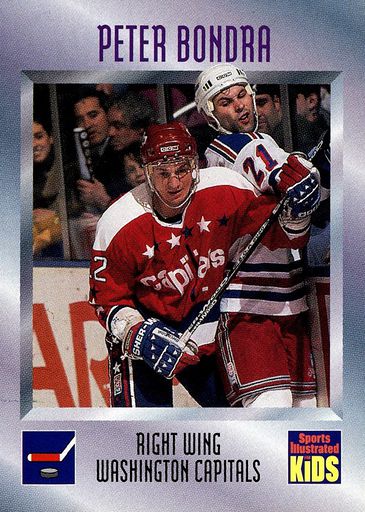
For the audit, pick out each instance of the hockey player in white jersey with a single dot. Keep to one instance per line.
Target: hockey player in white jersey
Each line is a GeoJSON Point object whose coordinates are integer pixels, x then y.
{"type": "Point", "coordinates": [263, 336]}
{"type": "Point", "coordinates": [159, 254]}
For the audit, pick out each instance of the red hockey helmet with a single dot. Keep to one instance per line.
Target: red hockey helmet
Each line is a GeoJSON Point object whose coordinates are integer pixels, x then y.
{"type": "Point", "coordinates": [170, 140]}
{"type": "Point", "coordinates": [165, 144]}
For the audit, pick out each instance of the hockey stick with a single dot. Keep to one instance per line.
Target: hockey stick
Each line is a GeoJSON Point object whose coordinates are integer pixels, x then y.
{"type": "Point", "coordinates": [245, 254]}
{"type": "Point", "coordinates": [51, 457]}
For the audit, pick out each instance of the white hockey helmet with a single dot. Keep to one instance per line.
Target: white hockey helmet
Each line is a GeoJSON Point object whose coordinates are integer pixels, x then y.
{"type": "Point", "coordinates": [213, 80]}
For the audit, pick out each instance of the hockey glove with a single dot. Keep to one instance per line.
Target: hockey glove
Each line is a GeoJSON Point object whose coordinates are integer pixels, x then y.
{"type": "Point", "coordinates": [303, 198]}
{"type": "Point", "coordinates": [299, 181]}
{"type": "Point", "coordinates": [160, 347]}
{"type": "Point", "coordinates": [294, 170]}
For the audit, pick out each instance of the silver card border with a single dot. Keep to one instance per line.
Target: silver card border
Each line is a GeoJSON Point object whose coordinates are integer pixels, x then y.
{"type": "Point", "coordinates": [334, 413]}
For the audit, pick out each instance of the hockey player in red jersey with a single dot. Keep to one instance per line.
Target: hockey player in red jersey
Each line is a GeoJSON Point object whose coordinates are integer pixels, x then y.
{"type": "Point", "coordinates": [265, 350]}
{"type": "Point", "coordinates": [160, 252]}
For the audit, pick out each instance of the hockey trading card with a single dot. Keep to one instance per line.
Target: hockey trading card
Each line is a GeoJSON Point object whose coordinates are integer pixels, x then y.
{"type": "Point", "coordinates": [82, 84]}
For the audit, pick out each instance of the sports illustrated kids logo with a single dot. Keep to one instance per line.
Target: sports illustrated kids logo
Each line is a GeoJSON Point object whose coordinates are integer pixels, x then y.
{"type": "Point", "coordinates": [314, 457]}
{"type": "Point", "coordinates": [48, 457]}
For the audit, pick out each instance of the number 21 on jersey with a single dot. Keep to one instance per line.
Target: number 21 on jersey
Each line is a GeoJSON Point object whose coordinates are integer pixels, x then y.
{"type": "Point", "coordinates": [269, 162]}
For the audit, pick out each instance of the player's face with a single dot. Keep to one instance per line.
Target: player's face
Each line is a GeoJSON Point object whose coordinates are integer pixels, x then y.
{"type": "Point", "coordinates": [172, 181]}
{"type": "Point", "coordinates": [308, 106]}
{"type": "Point", "coordinates": [42, 143]}
{"type": "Point", "coordinates": [134, 173]}
{"type": "Point", "coordinates": [268, 112]}
{"type": "Point", "coordinates": [121, 134]}
{"type": "Point", "coordinates": [234, 109]}
{"type": "Point", "coordinates": [92, 117]}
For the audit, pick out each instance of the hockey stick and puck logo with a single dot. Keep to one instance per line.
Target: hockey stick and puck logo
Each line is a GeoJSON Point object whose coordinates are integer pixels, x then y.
{"type": "Point", "coordinates": [48, 457]}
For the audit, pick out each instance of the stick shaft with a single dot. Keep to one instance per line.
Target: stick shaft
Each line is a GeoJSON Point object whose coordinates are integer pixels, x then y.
{"type": "Point", "coordinates": [245, 254]}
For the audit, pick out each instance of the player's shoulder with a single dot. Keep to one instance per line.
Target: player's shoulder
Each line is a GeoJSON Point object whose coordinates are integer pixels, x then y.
{"type": "Point", "coordinates": [222, 177]}
{"type": "Point", "coordinates": [230, 145]}
{"type": "Point", "coordinates": [122, 213]}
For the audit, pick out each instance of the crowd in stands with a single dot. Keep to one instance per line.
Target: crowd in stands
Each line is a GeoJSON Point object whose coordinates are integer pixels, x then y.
{"type": "Point", "coordinates": [111, 120]}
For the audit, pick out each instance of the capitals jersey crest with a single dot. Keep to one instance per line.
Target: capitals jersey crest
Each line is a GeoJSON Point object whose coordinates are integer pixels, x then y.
{"type": "Point", "coordinates": [169, 269]}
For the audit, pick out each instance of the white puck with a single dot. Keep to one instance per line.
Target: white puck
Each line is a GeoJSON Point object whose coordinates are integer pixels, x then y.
{"type": "Point", "coordinates": [49, 473]}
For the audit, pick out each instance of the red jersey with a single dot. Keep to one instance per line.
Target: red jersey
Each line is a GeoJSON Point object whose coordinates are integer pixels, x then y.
{"type": "Point", "coordinates": [170, 268]}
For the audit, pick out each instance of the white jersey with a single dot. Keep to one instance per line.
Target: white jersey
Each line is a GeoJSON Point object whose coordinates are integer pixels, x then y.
{"type": "Point", "coordinates": [271, 282]}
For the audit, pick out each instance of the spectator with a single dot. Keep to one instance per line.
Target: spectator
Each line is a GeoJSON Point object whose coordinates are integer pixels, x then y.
{"type": "Point", "coordinates": [310, 122]}
{"type": "Point", "coordinates": [128, 118]}
{"type": "Point", "coordinates": [325, 102]}
{"type": "Point", "coordinates": [46, 222]}
{"type": "Point", "coordinates": [269, 112]}
{"type": "Point", "coordinates": [90, 109]}
{"type": "Point", "coordinates": [90, 113]}
{"type": "Point", "coordinates": [88, 199]}
{"type": "Point", "coordinates": [313, 130]}
{"type": "Point", "coordinates": [318, 250]}
{"type": "Point", "coordinates": [133, 167]}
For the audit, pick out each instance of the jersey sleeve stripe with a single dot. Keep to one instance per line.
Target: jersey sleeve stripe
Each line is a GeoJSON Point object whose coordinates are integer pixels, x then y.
{"type": "Point", "coordinates": [229, 146]}
{"type": "Point", "coordinates": [269, 267]}
{"type": "Point", "coordinates": [257, 135]}
{"type": "Point", "coordinates": [236, 141]}
{"type": "Point", "coordinates": [278, 282]}
{"type": "Point", "coordinates": [265, 295]}
{"type": "Point", "coordinates": [224, 151]}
